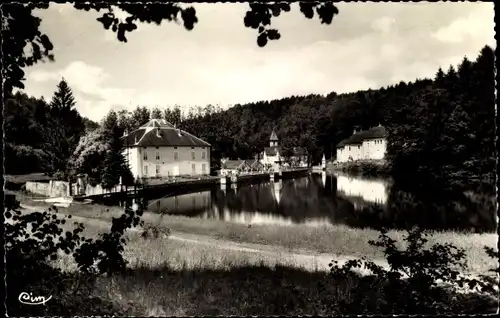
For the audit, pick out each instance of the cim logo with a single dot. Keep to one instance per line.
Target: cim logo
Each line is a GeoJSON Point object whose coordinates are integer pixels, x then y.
{"type": "Point", "coordinates": [29, 299]}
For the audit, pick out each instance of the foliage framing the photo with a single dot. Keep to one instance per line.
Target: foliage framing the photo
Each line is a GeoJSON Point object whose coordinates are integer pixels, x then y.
{"type": "Point", "coordinates": [34, 239]}
{"type": "Point", "coordinates": [23, 44]}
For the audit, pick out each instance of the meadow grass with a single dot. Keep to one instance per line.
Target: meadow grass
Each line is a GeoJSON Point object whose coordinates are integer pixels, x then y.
{"type": "Point", "coordinates": [334, 239]}
{"type": "Point", "coordinates": [168, 277]}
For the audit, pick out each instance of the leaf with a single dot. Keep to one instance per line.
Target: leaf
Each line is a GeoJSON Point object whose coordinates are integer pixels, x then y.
{"type": "Point", "coordinates": [307, 9]}
{"type": "Point", "coordinates": [262, 39]}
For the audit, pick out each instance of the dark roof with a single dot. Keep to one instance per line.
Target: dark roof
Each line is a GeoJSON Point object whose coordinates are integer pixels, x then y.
{"type": "Point", "coordinates": [234, 164]}
{"type": "Point", "coordinates": [158, 123]}
{"type": "Point", "coordinates": [159, 133]}
{"type": "Point", "coordinates": [271, 151]}
{"type": "Point", "coordinates": [274, 137]}
{"type": "Point", "coordinates": [297, 151]}
{"type": "Point", "coordinates": [253, 162]}
{"type": "Point", "coordinates": [359, 137]}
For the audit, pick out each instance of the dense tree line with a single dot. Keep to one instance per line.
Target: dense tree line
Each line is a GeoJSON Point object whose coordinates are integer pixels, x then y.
{"type": "Point", "coordinates": [42, 136]}
{"type": "Point", "coordinates": [439, 129]}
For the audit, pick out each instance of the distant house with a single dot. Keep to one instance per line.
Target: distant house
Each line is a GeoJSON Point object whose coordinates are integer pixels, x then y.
{"type": "Point", "coordinates": [158, 149]}
{"type": "Point", "coordinates": [232, 167]}
{"type": "Point", "coordinates": [369, 144]}
{"type": "Point", "coordinates": [255, 165]}
{"type": "Point", "coordinates": [272, 158]}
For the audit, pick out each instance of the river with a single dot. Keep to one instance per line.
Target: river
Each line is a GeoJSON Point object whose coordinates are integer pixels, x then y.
{"type": "Point", "coordinates": [327, 199]}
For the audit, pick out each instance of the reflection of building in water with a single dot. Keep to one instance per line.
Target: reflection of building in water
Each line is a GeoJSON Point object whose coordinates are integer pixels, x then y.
{"type": "Point", "coordinates": [185, 203]}
{"type": "Point", "coordinates": [323, 178]}
{"type": "Point", "coordinates": [234, 186]}
{"type": "Point", "coordinates": [371, 191]}
{"type": "Point", "coordinates": [260, 218]}
{"type": "Point", "coordinates": [276, 190]}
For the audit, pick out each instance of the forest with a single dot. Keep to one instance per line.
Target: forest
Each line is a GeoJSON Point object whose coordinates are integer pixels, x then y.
{"type": "Point", "coordinates": [440, 130]}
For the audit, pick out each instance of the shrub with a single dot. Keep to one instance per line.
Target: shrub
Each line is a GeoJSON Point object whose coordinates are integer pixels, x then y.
{"type": "Point", "coordinates": [155, 231]}
{"type": "Point", "coordinates": [33, 240]}
{"type": "Point", "coordinates": [411, 284]}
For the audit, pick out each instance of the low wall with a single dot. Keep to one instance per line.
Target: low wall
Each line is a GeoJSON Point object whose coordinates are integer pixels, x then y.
{"type": "Point", "coordinates": [54, 189]}
{"type": "Point", "coordinates": [51, 189]}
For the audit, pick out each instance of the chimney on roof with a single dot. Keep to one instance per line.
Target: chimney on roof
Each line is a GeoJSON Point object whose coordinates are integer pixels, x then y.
{"type": "Point", "coordinates": [135, 139]}
{"type": "Point", "coordinates": [179, 132]}
{"type": "Point", "coordinates": [379, 125]}
{"type": "Point", "coordinates": [158, 132]}
{"type": "Point", "coordinates": [125, 132]}
{"type": "Point", "coordinates": [355, 131]}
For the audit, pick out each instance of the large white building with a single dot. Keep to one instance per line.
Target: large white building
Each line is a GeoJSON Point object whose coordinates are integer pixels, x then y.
{"type": "Point", "coordinates": [158, 149]}
{"type": "Point", "coordinates": [369, 144]}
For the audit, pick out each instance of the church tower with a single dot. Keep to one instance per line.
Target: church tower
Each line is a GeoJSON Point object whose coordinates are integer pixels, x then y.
{"type": "Point", "coordinates": [273, 141]}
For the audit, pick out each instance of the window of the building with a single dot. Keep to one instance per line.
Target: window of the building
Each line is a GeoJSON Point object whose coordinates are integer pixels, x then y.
{"type": "Point", "coordinates": [203, 168]}
{"type": "Point", "coordinates": [193, 155]}
{"type": "Point", "coordinates": [349, 147]}
{"type": "Point", "coordinates": [359, 147]}
{"type": "Point", "coordinates": [193, 168]}
{"type": "Point", "coordinates": [203, 154]}
{"type": "Point", "coordinates": [157, 169]}
{"type": "Point", "coordinates": [176, 155]}
{"type": "Point", "coordinates": [145, 155]}
{"type": "Point", "coordinates": [157, 155]}
{"type": "Point", "coordinates": [145, 170]}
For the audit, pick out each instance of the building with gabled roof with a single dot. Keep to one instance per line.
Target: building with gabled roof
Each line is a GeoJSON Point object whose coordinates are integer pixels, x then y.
{"type": "Point", "coordinates": [368, 144]}
{"type": "Point", "coordinates": [159, 149]}
{"type": "Point", "coordinates": [271, 156]}
{"type": "Point", "coordinates": [232, 167]}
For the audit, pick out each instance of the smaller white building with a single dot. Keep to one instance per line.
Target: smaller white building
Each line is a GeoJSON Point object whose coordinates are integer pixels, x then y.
{"type": "Point", "coordinates": [234, 167]}
{"type": "Point", "coordinates": [273, 158]}
{"type": "Point", "coordinates": [369, 144]}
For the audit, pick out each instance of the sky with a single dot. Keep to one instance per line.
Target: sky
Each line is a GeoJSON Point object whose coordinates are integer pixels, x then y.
{"type": "Point", "coordinates": [368, 45]}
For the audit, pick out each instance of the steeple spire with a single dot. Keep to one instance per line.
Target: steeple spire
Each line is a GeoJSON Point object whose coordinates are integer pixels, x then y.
{"type": "Point", "coordinates": [273, 140]}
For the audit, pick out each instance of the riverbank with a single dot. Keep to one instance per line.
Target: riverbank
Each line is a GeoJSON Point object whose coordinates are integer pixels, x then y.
{"type": "Point", "coordinates": [192, 274]}
{"type": "Point", "coordinates": [309, 240]}
{"type": "Point", "coordinates": [366, 168]}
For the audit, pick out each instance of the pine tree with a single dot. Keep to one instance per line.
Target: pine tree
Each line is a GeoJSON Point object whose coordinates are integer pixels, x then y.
{"type": "Point", "coordinates": [115, 165]}
{"type": "Point", "coordinates": [110, 122]}
{"type": "Point", "coordinates": [156, 113]}
{"type": "Point", "coordinates": [63, 97]}
{"type": "Point", "coordinates": [439, 78]}
{"type": "Point", "coordinates": [65, 127]}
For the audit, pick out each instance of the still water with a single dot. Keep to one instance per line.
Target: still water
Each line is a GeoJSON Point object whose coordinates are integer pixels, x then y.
{"type": "Point", "coordinates": [325, 200]}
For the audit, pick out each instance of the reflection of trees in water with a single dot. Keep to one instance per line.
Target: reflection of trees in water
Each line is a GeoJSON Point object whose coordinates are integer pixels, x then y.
{"type": "Point", "coordinates": [300, 199]}
{"type": "Point", "coordinates": [190, 204]}
{"type": "Point", "coordinates": [311, 198]}
{"type": "Point", "coordinates": [438, 211]}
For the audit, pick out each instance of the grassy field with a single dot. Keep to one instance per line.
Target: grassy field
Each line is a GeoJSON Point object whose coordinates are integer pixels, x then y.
{"type": "Point", "coordinates": [168, 277]}
{"type": "Point", "coordinates": [334, 240]}
{"type": "Point", "coordinates": [171, 277]}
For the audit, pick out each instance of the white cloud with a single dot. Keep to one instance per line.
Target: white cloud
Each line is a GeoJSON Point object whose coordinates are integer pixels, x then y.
{"type": "Point", "coordinates": [368, 45]}
{"type": "Point", "coordinates": [88, 83]}
{"type": "Point", "coordinates": [478, 24]}
{"type": "Point", "coordinates": [383, 24]}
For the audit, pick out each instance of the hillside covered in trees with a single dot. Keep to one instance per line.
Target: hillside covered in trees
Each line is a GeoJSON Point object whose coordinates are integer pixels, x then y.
{"type": "Point", "coordinates": [440, 129]}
